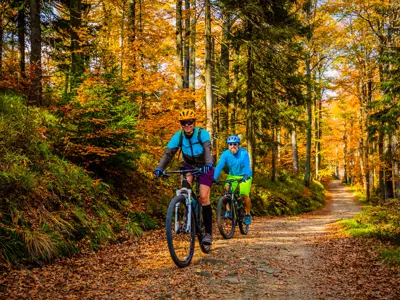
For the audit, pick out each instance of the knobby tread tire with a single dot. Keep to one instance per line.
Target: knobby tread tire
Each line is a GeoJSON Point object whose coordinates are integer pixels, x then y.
{"type": "Point", "coordinates": [183, 261]}
{"type": "Point", "coordinates": [229, 230]}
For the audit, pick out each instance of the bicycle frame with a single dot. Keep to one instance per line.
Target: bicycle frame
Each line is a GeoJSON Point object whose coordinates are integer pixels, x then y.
{"type": "Point", "coordinates": [230, 193]}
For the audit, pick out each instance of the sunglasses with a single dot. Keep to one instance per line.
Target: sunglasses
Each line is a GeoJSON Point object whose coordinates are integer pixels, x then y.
{"type": "Point", "coordinates": [186, 122]}
{"type": "Point", "coordinates": [233, 144]}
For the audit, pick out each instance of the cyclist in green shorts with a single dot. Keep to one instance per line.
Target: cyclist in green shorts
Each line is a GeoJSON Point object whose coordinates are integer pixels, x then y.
{"type": "Point", "coordinates": [238, 161]}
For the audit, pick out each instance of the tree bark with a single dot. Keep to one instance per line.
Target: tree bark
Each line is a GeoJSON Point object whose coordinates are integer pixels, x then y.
{"type": "Point", "coordinates": [192, 50]}
{"type": "Point", "coordinates": [225, 73]}
{"type": "Point", "coordinates": [21, 25]}
{"type": "Point", "coordinates": [307, 173]}
{"type": "Point", "coordinates": [186, 42]}
{"type": "Point", "coordinates": [179, 43]}
{"type": "Point", "coordinates": [234, 96]}
{"type": "Point", "coordinates": [381, 167]}
{"type": "Point", "coordinates": [76, 54]}
{"type": "Point", "coordinates": [295, 156]}
{"type": "Point", "coordinates": [36, 54]}
{"type": "Point", "coordinates": [208, 68]}
{"type": "Point", "coordinates": [273, 155]}
{"type": "Point", "coordinates": [249, 102]}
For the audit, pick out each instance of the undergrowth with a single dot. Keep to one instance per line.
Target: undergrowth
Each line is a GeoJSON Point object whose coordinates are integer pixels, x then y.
{"type": "Point", "coordinates": [50, 207]}
{"type": "Point", "coordinates": [285, 196]}
{"type": "Point", "coordinates": [381, 222]}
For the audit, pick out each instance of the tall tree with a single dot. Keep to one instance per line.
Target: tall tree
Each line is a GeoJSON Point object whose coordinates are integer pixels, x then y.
{"type": "Point", "coordinates": [77, 62]}
{"type": "Point", "coordinates": [35, 95]}
{"type": "Point", "coordinates": [208, 68]}
{"type": "Point", "coordinates": [192, 48]}
{"type": "Point", "coordinates": [225, 71]}
{"type": "Point", "coordinates": [186, 48]}
{"type": "Point", "coordinates": [179, 44]}
{"type": "Point", "coordinates": [249, 100]}
{"type": "Point", "coordinates": [21, 25]}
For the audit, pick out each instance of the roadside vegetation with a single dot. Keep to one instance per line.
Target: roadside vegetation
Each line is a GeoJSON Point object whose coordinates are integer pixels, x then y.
{"type": "Point", "coordinates": [381, 221]}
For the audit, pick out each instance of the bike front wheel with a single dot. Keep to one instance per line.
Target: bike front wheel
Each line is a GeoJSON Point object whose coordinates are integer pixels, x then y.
{"type": "Point", "coordinates": [226, 217]}
{"type": "Point", "coordinates": [180, 236]}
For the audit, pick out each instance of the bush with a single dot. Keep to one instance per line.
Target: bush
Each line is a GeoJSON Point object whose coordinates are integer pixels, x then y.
{"type": "Point", "coordinates": [49, 206]}
{"type": "Point", "coordinates": [286, 196]}
{"type": "Point", "coordinates": [381, 222]}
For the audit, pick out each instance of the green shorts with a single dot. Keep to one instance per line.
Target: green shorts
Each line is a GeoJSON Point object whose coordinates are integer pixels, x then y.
{"type": "Point", "coordinates": [244, 187]}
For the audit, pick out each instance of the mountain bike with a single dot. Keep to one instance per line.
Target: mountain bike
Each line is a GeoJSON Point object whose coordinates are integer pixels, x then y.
{"type": "Point", "coordinates": [230, 211]}
{"type": "Point", "coordinates": [185, 220]}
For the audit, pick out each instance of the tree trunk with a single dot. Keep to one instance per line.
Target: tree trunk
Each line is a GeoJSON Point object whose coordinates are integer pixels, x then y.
{"type": "Point", "coordinates": [318, 133]}
{"type": "Point", "coordinates": [345, 155]}
{"type": "Point", "coordinates": [186, 42]}
{"type": "Point", "coordinates": [273, 155]}
{"type": "Point", "coordinates": [76, 53]}
{"type": "Point", "coordinates": [278, 146]}
{"type": "Point", "coordinates": [295, 156]}
{"type": "Point", "coordinates": [21, 24]}
{"type": "Point", "coordinates": [179, 43]}
{"type": "Point", "coordinates": [234, 96]}
{"type": "Point", "coordinates": [395, 166]}
{"type": "Point", "coordinates": [122, 41]}
{"type": "Point", "coordinates": [307, 173]}
{"type": "Point", "coordinates": [132, 21]}
{"type": "Point", "coordinates": [36, 54]}
{"type": "Point", "coordinates": [192, 50]}
{"type": "Point", "coordinates": [208, 68]}
{"type": "Point", "coordinates": [249, 103]}
{"type": "Point", "coordinates": [381, 167]}
{"type": "Point", "coordinates": [225, 74]}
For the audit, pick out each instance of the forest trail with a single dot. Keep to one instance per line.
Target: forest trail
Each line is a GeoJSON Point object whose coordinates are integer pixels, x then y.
{"type": "Point", "coordinates": [280, 258]}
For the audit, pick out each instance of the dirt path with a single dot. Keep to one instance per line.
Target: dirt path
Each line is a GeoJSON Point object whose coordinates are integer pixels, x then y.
{"type": "Point", "coordinates": [281, 258]}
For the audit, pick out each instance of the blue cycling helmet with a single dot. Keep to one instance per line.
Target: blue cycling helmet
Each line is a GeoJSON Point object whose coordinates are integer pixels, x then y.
{"type": "Point", "coordinates": [233, 139]}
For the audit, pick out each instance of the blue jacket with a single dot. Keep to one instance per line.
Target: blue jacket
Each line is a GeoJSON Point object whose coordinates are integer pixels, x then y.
{"type": "Point", "coordinates": [238, 164]}
{"type": "Point", "coordinates": [195, 152]}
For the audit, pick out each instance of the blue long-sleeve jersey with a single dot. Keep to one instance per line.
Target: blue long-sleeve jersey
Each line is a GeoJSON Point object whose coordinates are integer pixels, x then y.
{"type": "Point", "coordinates": [238, 164]}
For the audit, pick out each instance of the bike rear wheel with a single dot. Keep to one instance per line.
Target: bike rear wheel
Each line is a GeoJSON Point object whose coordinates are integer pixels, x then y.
{"type": "Point", "coordinates": [226, 224]}
{"type": "Point", "coordinates": [180, 238]}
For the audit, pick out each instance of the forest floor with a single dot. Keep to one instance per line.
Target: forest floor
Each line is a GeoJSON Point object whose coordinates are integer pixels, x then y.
{"type": "Point", "coordinates": [303, 257]}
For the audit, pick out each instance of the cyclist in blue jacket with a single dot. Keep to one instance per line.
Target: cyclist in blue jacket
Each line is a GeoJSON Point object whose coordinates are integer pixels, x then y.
{"type": "Point", "coordinates": [195, 144]}
{"type": "Point", "coordinates": [238, 161]}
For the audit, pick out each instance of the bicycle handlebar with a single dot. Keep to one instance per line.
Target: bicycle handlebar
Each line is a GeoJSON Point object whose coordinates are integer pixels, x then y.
{"type": "Point", "coordinates": [229, 181]}
{"type": "Point", "coordinates": [193, 171]}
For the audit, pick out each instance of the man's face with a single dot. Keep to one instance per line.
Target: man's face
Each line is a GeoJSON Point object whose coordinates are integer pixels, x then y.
{"type": "Point", "coordinates": [188, 126]}
{"type": "Point", "coordinates": [233, 147]}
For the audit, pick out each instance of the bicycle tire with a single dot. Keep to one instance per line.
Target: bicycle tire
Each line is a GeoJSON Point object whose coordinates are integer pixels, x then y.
{"type": "Point", "coordinates": [226, 225]}
{"type": "Point", "coordinates": [201, 230]}
{"type": "Point", "coordinates": [180, 243]}
{"type": "Point", "coordinates": [244, 229]}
